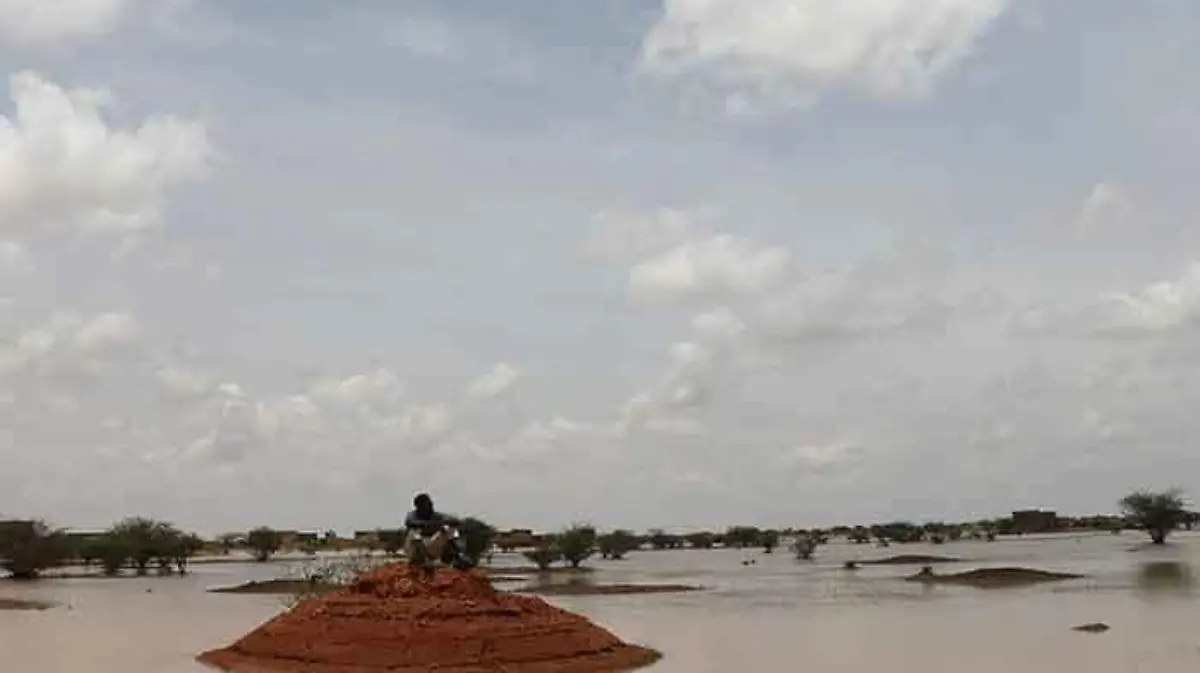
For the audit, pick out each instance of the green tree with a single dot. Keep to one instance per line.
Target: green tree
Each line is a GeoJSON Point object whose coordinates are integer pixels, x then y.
{"type": "Point", "coordinates": [617, 544]}
{"type": "Point", "coordinates": [263, 542]}
{"type": "Point", "coordinates": [768, 540]}
{"type": "Point", "coordinates": [661, 539]}
{"type": "Point", "coordinates": [543, 557]}
{"type": "Point", "coordinates": [1156, 513]}
{"type": "Point", "coordinates": [576, 544]}
{"type": "Point", "coordinates": [183, 548]}
{"type": "Point", "coordinates": [477, 538]}
{"type": "Point", "coordinates": [30, 547]}
{"type": "Point", "coordinates": [145, 541]}
{"type": "Point", "coordinates": [742, 536]}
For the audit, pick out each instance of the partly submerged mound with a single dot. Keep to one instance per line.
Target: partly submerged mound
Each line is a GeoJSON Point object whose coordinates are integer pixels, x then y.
{"type": "Point", "coordinates": [22, 604]}
{"type": "Point", "coordinates": [992, 578]}
{"type": "Point", "coordinates": [279, 586]}
{"type": "Point", "coordinates": [909, 560]}
{"type": "Point", "coordinates": [394, 620]}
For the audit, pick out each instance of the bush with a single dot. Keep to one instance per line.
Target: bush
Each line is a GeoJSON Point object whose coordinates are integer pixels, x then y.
{"type": "Point", "coordinates": [576, 544]}
{"type": "Point", "coordinates": [28, 548]}
{"type": "Point", "coordinates": [543, 557]}
{"type": "Point", "coordinates": [476, 538]}
{"type": "Point", "coordinates": [617, 544]}
{"type": "Point", "coordinates": [263, 542]}
{"type": "Point", "coordinates": [1156, 513]}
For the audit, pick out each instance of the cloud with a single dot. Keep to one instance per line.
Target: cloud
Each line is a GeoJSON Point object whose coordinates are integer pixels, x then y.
{"type": "Point", "coordinates": [497, 381]}
{"type": "Point", "coordinates": [380, 386]}
{"type": "Point", "coordinates": [108, 330]}
{"type": "Point", "coordinates": [713, 268]}
{"type": "Point", "coordinates": [63, 166]}
{"type": "Point", "coordinates": [1159, 307]}
{"type": "Point", "coordinates": [15, 258]}
{"type": "Point", "coordinates": [1109, 203]}
{"type": "Point", "coordinates": [773, 53]}
{"type": "Point", "coordinates": [34, 22]}
{"type": "Point", "coordinates": [624, 235]}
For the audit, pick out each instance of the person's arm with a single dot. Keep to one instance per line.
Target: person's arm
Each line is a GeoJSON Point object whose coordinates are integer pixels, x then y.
{"type": "Point", "coordinates": [449, 519]}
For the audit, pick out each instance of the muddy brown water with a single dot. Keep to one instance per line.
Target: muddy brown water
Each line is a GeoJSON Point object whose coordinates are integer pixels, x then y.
{"type": "Point", "coordinates": [778, 614]}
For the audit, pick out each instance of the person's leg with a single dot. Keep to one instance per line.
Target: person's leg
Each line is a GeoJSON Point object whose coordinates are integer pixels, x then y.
{"type": "Point", "coordinates": [435, 545]}
{"type": "Point", "coordinates": [411, 540]}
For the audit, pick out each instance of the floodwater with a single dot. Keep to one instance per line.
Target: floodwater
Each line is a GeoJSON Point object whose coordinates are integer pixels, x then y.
{"type": "Point", "coordinates": [777, 614]}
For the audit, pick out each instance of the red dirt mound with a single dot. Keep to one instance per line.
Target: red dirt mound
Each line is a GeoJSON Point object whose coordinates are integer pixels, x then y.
{"type": "Point", "coordinates": [398, 621]}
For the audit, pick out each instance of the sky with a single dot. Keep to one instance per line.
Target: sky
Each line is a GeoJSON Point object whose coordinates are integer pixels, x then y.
{"type": "Point", "coordinates": [677, 263]}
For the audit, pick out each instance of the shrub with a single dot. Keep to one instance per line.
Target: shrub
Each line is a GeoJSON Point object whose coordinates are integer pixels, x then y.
{"type": "Point", "coordinates": [543, 557]}
{"type": "Point", "coordinates": [1156, 513]}
{"type": "Point", "coordinates": [29, 547]}
{"type": "Point", "coordinates": [264, 542]}
{"type": "Point", "coordinates": [576, 544]}
{"type": "Point", "coordinates": [617, 544]}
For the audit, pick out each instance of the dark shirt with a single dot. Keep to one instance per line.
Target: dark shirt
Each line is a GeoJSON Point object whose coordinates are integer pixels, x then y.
{"type": "Point", "coordinates": [428, 526]}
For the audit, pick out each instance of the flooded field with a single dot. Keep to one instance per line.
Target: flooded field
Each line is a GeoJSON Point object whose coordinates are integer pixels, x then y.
{"type": "Point", "coordinates": [777, 614]}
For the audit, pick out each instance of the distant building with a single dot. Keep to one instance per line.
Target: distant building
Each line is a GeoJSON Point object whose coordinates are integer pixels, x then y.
{"type": "Point", "coordinates": [1035, 521]}
{"type": "Point", "coordinates": [518, 538]}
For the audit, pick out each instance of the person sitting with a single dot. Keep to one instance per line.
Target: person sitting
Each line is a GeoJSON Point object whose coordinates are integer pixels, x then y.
{"type": "Point", "coordinates": [427, 524]}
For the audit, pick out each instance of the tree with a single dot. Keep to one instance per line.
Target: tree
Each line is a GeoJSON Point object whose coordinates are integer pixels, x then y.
{"type": "Point", "coordinates": [264, 542]}
{"type": "Point", "coordinates": [701, 540]}
{"type": "Point", "coordinates": [477, 538]}
{"type": "Point", "coordinates": [742, 536]}
{"type": "Point", "coordinates": [576, 544]}
{"type": "Point", "coordinates": [29, 547]}
{"type": "Point", "coordinates": [1156, 513]}
{"type": "Point", "coordinates": [183, 548]}
{"type": "Point", "coordinates": [144, 541]}
{"type": "Point", "coordinates": [617, 544]}
{"type": "Point", "coordinates": [661, 539]}
{"type": "Point", "coordinates": [769, 540]}
{"type": "Point", "coordinates": [543, 557]}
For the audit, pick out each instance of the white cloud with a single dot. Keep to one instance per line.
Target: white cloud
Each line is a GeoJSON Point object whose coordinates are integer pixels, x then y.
{"type": "Point", "coordinates": [713, 268]}
{"type": "Point", "coordinates": [15, 258]}
{"type": "Point", "coordinates": [497, 381]}
{"type": "Point", "coordinates": [625, 235]}
{"type": "Point", "coordinates": [786, 52]}
{"type": "Point", "coordinates": [379, 386]}
{"type": "Point", "coordinates": [1158, 307]}
{"type": "Point", "coordinates": [108, 330]}
{"type": "Point", "coordinates": [1109, 203]}
{"type": "Point", "coordinates": [62, 165]}
{"type": "Point", "coordinates": [820, 456]}
{"type": "Point", "coordinates": [719, 323]}
{"type": "Point", "coordinates": [35, 22]}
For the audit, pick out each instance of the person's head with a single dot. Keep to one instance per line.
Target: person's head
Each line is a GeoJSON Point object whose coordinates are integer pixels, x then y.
{"type": "Point", "coordinates": [423, 504]}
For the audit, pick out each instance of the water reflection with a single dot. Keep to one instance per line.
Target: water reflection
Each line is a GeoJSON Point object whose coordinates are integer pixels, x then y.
{"type": "Point", "coordinates": [1165, 578]}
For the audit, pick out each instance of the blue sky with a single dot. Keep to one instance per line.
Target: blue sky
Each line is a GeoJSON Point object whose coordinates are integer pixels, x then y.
{"type": "Point", "coordinates": [789, 263]}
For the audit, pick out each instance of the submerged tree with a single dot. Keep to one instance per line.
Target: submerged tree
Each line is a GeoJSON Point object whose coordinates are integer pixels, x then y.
{"type": "Point", "coordinates": [769, 540]}
{"type": "Point", "coordinates": [264, 542]}
{"type": "Point", "coordinates": [543, 557]}
{"type": "Point", "coordinates": [576, 544]}
{"type": "Point", "coordinates": [1156, 513]}
{"type": "Point", "coordinates": [617, 544]}
{"type": "Point", "coordinates": [29, 547]}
